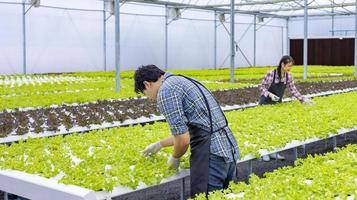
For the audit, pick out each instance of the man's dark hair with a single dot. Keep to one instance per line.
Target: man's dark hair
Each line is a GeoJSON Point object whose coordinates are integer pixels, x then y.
{"type": "Point", "coordinates": [149, 73]}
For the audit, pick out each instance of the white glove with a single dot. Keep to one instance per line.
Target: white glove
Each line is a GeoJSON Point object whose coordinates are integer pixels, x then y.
{"type": "Point", "coordinates": [173, 162]}
{"type": "Point", "coordinates": [310, 102]}
{"type": "Point", "coordinates": [273, 97]}
{"type": "Point", "coordinates": [152, 149]}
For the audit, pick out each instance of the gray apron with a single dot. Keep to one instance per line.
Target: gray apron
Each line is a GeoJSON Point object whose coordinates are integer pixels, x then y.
{"type": "Point", "coordinates": [276, 88]}
{"type": "Point", "coordinates": [200, 142]}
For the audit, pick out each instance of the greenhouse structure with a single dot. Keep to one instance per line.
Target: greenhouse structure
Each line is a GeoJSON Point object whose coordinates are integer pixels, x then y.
{"type": "Point", "coordinates": [178, 99]}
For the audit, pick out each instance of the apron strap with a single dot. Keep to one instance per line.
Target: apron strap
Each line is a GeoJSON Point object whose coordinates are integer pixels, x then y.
{"type": "Point", "coordinates": [204, 97]}
{"type": "Point", "coordinates": [286, 75]}
{"type": "Point", "coordinates": [196, 83]}
{"type": "Point", "coordinates": [229, 140]}
{"type": "Point", "coordinates": [212, 97]}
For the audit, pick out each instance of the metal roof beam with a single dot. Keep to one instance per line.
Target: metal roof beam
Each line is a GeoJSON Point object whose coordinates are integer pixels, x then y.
{"type": "Point", "coordinates": [177, 5]}
{"type": "Point", "coordinates": [342, 5]}
{"type": "Point", "coordinates": [323, 15]}
{"type": "Point", "coordinates": [198, 7]}
{"type": "Point", "coordinates": [252, 3]}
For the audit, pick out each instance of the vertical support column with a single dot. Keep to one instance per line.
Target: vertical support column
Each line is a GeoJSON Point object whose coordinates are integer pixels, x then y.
{"type": "Point", "coordinates": [282, 41]}
{"type": "Point", "coordinates": [255, 42]}
{"type": "Point", "coordinates": [250, 167]}
{"type": "Point", "coordinates": [295, 153]}
{"type": "Point", "coordinates": [6, 196]}
{"type": "Point", "coordinates": [215, 40]}
{"type": "Point", "coordinates": [166, 38]}
{"type": "Point", "coordinates": [356, 39]}
{"type": "Point", "coordinates": [24, 38]}
{"type": "Point", "coordinates": [104, 38]}
{"type": "Point", "coordinates": [232, 43]}
{"type": "Point", "coordinates": [305, 39]}
{"type": "Point", "coordinates": [182, 192]}
{"type": "Point", "coordinates": [287, 37]}
{"type": "Point", "coordinates": [303, 150]}
{"type": "Point", "coordinates": [333, 17]}
{"type": "Point", "coordinates": [334, 142]}
{"type": "Point", "coordinates": [117, 44]}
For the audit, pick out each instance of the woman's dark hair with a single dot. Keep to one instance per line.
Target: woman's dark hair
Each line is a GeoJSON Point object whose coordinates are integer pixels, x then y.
{"type": "Point", "coordinates": [149, 73]}
{"type": "Point", "coordinates": [284, 60]}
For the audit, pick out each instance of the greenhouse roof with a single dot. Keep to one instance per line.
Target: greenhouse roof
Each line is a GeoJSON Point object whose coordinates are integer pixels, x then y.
{"type": "Point", "coordinates": [288, 8]}
{"type": "Point", "coordinates": [277, 8]}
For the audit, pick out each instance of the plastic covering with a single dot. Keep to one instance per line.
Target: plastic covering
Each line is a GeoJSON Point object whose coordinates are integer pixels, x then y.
{"type": "Point", "coordinates": [61, 40]}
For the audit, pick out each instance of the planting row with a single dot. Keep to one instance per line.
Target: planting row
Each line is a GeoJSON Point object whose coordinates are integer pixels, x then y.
{"type": "Point", "coordinates": [45, 90]}
{"type": "Point", "coordinates": [96, 89]}
{"type": "Point", "coordinates": [66, 117]}
{"type": "Point", "coordinates": [101, 160]}
{"type": "Point", "coordinates": [53, 87]}
{"type": "Point", "coordinates": [13, 81]}
{"type": "Point", "coordinates": [239, 73]}
{"type": "Point", "coordinates": [328, 176]}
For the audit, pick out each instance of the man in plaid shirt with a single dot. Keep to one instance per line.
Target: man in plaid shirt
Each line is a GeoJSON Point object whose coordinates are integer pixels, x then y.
{"type": "Point", "coordinates": [190, 109]}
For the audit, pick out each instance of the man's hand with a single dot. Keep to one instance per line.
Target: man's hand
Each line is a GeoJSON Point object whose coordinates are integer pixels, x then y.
{"type": "Point", "coordinates": [152, 149]}
{"type": "Point", "coordinates": [173, 163]}
{"type": "Point", "coordinates": [273, 97]}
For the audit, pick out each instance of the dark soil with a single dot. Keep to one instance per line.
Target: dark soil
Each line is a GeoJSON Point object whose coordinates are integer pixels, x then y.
{"type": "Point", "coordinates": [49, 119]}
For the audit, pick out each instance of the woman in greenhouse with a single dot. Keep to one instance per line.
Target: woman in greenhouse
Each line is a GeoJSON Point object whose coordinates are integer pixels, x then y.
{"type": "Point", "coordinates": [196, 119]}
{"type": "Point", "coordinates": [273, 87]}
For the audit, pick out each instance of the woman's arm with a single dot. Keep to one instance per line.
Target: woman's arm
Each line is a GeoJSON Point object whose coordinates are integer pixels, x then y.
{"type": "Point", "coordinates": [293, 90]}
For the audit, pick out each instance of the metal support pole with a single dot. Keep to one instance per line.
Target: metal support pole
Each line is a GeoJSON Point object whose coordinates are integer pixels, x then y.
{"type": "Point", "coordinates": [305, 39]}
{"type": "Point", "coordinates": [287, 37]}
{"type": "Point", "coordinates": [104, 38]}
{"type": "Point", "coordinates": [6, 196]}
{"type": "Point", "coordinates": [333, 18]}
{"type": "Point", "coordinates": [182, 192]}
{"type": "Point", "coordinates": [215, 40]}
{"type": "Point", "coordinates": [250, 167]}
{"type": "Point", "coordinates": [345, 136]}
{"type": "Point", "coordinates": [232, 45]}
{"type": "Point", "coordinates": [237, 47]}
{"type": "Point", "coordinates": [282, 41]}
{"type": "Point", "coordinates": [356, 40]}
{"type": "Point", "coordinates": [117, 44]}
{"type": "Point", "coordinates": [295, 153]}
{"type": "Point", "coordinates": [166, 38]}
{"type": "Point", "coordinates": [255, 42]}
{"type": "Point", "coordinates": [334, 143]}
{"type": "Point", "coordinates": [24, 37]}
{"type": "Point", "coordinates": [303, 150]}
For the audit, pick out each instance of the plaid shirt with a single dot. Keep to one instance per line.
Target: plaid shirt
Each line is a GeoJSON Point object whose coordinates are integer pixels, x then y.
{"type": "Point", "coordinates": [182, 103]}
{"type": "Point", "coordinates": [268, 80]}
